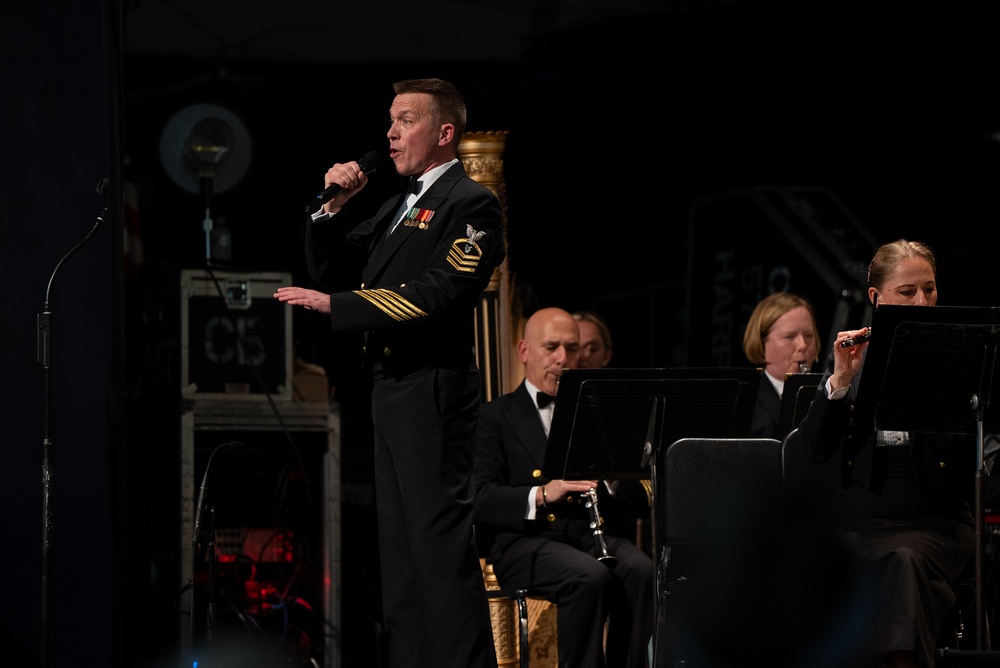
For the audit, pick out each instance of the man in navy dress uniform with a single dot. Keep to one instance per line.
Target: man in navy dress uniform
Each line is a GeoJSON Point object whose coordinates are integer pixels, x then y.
{"type": "Point", "coordinates": [427, 258]}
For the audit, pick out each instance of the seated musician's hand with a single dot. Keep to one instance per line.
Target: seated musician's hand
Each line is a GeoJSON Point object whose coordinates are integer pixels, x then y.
{"type": "Point", "coordinates": [557, 490]}
{"type": "Point", "coordinates": [846, 360]}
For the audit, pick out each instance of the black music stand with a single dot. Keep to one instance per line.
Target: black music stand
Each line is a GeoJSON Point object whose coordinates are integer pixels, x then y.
{"type": "Point", "coordinates": [610, 420]}
{"type": "Point", "coordinates": [811, 483]}
{"type": "Point", "coordinates": [611, 423]}
{"type": "Point", "coordinates": [797, 395]}
{"type": "Point", "coordinates": [962, 343]}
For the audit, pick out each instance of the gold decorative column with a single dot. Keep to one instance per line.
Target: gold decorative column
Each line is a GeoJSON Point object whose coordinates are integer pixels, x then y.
{"type": "Point", "coordinates": [503, 617]}
{"type": "Point", "coordinates": [482, 155]}
{"type": "Point", "coordinates": [499, 326]}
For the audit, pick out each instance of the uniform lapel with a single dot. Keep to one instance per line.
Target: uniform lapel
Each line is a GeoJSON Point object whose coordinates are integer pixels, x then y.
{"type": "Point", "coordinates": [387, 245]}
{"type": "Point", "coordinates": [377, 251]}
{"type": "Point", "coordinates": [524, 420]}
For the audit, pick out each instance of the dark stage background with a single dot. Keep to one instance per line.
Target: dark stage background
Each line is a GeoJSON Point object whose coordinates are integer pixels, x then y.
{"type": "Point", "coordinates": [667, 164]}
{"type": "Point", "coordinates": [60, 129]}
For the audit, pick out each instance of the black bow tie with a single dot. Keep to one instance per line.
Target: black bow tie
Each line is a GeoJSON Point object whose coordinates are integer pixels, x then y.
{"type": "Point", "coordinates": [410, 184]}
{"type": "Point", "coordinates": [544, 399]}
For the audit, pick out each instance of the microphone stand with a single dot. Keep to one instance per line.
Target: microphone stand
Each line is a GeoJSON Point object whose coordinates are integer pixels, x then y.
{"type": "Point", "coordinates": [45, 359]}
{"type": "Point", "coordinates": [206, 182]}
{"type": "Point", "coordinates": [210, 609]}
{"type": "Point", "coordinates": [195, 541]}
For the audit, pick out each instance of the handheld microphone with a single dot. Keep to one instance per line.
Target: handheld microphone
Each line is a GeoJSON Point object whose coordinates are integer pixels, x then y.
{"type": "Point", "coordinates": [368, 163]}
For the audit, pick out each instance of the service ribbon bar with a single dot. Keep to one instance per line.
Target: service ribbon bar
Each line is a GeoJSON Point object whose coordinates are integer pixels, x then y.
{"type": "Point", "coordinates": [420, 218]}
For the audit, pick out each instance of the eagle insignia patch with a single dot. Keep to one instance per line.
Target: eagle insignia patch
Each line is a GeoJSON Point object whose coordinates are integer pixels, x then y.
{"type": "Point", "coordinates": [465, 254]}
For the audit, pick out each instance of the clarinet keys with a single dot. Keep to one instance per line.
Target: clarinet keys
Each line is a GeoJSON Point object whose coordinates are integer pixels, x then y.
{"type": "Point", "coordinates": [597, 527]}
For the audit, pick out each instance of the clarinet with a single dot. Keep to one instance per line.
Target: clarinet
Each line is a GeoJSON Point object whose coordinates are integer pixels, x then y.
{"type": "Point", "coordinates": [597, 526]}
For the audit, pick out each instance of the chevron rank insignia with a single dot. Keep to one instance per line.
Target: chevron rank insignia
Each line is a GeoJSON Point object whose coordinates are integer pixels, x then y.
{"type": "Point", "coordinates": [419, 218]}
{"type": "Point", "coordinates": [465, 253]}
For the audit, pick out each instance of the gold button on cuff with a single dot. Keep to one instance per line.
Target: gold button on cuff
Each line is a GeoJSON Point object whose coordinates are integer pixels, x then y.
{"type": "Point", "coordinates": [550, 517]}
{"type": "Point", "coordinates": [536, 474]}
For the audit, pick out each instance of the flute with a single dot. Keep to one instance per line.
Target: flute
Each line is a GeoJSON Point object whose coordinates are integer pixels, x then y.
{"type": "Point", "coordinates": [855, 340]}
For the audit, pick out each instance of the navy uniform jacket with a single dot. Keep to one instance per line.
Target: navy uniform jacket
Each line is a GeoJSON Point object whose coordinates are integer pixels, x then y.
{"type": "Point", "coordinates": [420, 285]}
{"type": "Point", "coordinates": [510, 451]}
{"type": "Point", "coordinates": [938, 459]}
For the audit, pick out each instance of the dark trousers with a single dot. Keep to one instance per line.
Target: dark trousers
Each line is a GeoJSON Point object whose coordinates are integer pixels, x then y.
{"type": "Point", "coordinates": [587, 593]}
{"type": "Point", "coordinates": [435, 609]}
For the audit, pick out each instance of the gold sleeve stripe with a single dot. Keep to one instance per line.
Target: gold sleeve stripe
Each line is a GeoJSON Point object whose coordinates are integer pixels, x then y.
{"type": "Point", "coordinates": [391, 304]}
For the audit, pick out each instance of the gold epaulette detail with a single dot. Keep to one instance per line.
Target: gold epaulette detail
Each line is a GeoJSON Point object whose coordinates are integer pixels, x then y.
{"type": "Point", "coordinates": [392, 304]}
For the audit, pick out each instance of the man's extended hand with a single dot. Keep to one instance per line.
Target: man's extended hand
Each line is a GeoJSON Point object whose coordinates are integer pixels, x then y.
{"type": "Point", "coordinates": [311, 300]}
